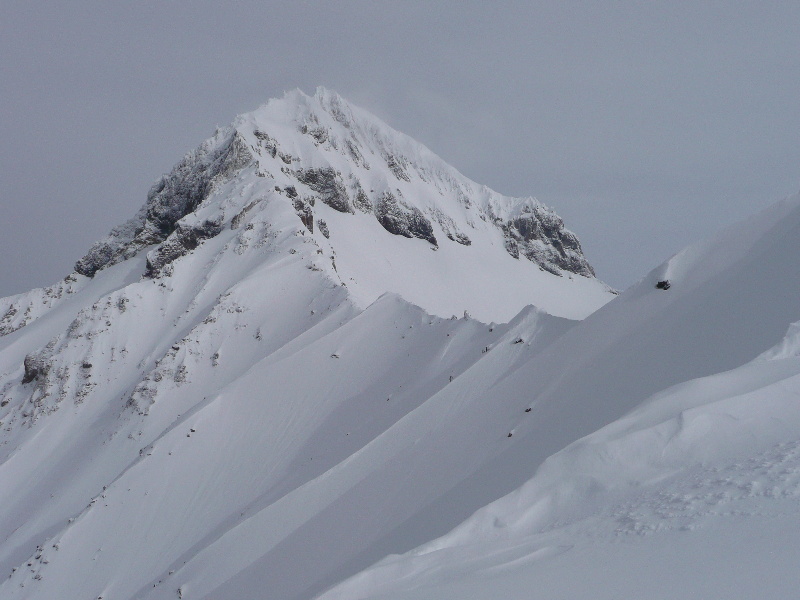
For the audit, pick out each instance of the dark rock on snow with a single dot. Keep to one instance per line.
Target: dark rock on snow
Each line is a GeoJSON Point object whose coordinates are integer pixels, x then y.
{"type": "Point", "coordinates": [400, 218]}
{"type": "Point", "coordinates": [327, 183]}
{"type": "Point", "coordinates": [539, 235]}
{"type": "Point", "coordinates": [173, 197]}
{"type": "Point", "coordinates": [36, 366]}
{"type": "Point", "coordinates": [303, 208]}
{"type": "Point", "coordinates": [180, 242]}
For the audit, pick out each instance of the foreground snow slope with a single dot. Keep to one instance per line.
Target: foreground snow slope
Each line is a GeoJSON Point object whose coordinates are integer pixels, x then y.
{"type": "Point", "coordinates": [694, 494]}
{"type": "Point", "coordinates": [242, 387]}
{"type": "Point", "coordinates": [695, 491]}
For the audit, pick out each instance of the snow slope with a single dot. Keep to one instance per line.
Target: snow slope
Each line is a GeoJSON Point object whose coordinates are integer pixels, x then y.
{"type": "Point", "coordinates": [691, 491]}
{"type": "Point", "coordinates": [258, 387]}
{"type": "Point", "coordinates": [237, 388]}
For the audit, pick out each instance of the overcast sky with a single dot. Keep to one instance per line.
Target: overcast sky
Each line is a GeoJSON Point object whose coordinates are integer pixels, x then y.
{"type": "Point", "coordinates": [646, 125]}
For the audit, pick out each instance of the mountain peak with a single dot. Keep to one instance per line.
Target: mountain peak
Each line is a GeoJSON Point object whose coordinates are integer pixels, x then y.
{"type": "Point", "coordinates": [357, 187]}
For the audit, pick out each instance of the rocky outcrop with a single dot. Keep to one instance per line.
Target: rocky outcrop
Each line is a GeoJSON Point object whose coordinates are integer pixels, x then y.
{"type": "Point", "coordinates": [36, 367]}
{"type": "Point", "coordinates": [360, 198]}
{"type": "Point", "coordinates": [173, 197]}
{"type": "Point", "coordinates": [304, 209]}
{"type": "Point", "coordinates": [539, 235]}
{"type": "Point", "coordinates": [436, 196]}
{"type": "Point", "coordinates": [240, 217]}
{"type": "Point", "coordinates": [183, 240]}
{"type": "Point", "coordinates": [400, 218]}
{"type": "Point", "coordinates": [450, 228]}
{"type": "Point", "coordinates": [397, 165]}
{"type": "Point", "coordinates": [328, 185]}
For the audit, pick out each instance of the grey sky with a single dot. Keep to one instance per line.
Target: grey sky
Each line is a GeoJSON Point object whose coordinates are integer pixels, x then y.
{"type": "Point", "coordinates": [645, 125]}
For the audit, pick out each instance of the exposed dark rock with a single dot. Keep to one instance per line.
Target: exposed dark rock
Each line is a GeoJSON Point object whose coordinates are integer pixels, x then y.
{"type": "Point", "coordinates": [361, 200]}
{"type": "Point", "coordinates": [328, 184]}
{"type": "Point", "coordinates": [173, 197]}
{"type": "Point", "coordinates": [663, 285]}
{"type": "Point", "coordinates": [302, 206]}
{"type": "Point", "coordinates": [355, 153]}
{"type": "Point", "coordinates": [270, 146]}
{"type": "Point", "coordinates": [242, 214]}
{"type": "Point", "coordinates": [323, 228]}
{"type": "Point", "coordinates": [512, 247]}
{"type": "Point", "coordinates": [450, 228]}
{"type": "Point", "coordinates": [320, 134]}
{"type": "Point", "coordinates": [398, 166]}
{"type": "Point", "coordinates": [36, 367]}
{"type": "Point", "coordinates": [400, 218]}
{"type": "Point", "coordinates": [315, 130]}
{"type": "Point", "coordinates": [182, 241]}
{"type": "Point", "coordinates": [261, 135]}
{"type": "Point", "coordinates": [539, 235]}
{"type": "Point", "coordinates": [191, 182]}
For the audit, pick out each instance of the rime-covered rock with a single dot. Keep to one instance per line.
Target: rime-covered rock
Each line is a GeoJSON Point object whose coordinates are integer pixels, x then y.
{"type": "Point", "coordinates": [183, 239]}
{"type": "Point", "coordinates": [174, 196]}
{"type": "Point", "coordinates": [400, 218]}
{"type": "Point", "coordinates": [540, 236]}
{"type": "Point", "coordinates": [327, 183]}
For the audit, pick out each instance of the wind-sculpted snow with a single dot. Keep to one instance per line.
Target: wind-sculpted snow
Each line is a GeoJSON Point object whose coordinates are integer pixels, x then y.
{"type": "Point", "coordinates": [259, 387]}
{"type": "Point", "coordinates": [702, 467]}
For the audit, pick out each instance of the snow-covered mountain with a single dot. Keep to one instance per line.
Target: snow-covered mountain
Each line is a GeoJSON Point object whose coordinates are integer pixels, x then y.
{"type": "Point", "coordinates": [351, 180]}
{"type": "Point", "coordinates": [228, 378]}
{"type": "Point", "coordinates": [259, 388]}
{"type": "Point", "coordinates": [669, 447]}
